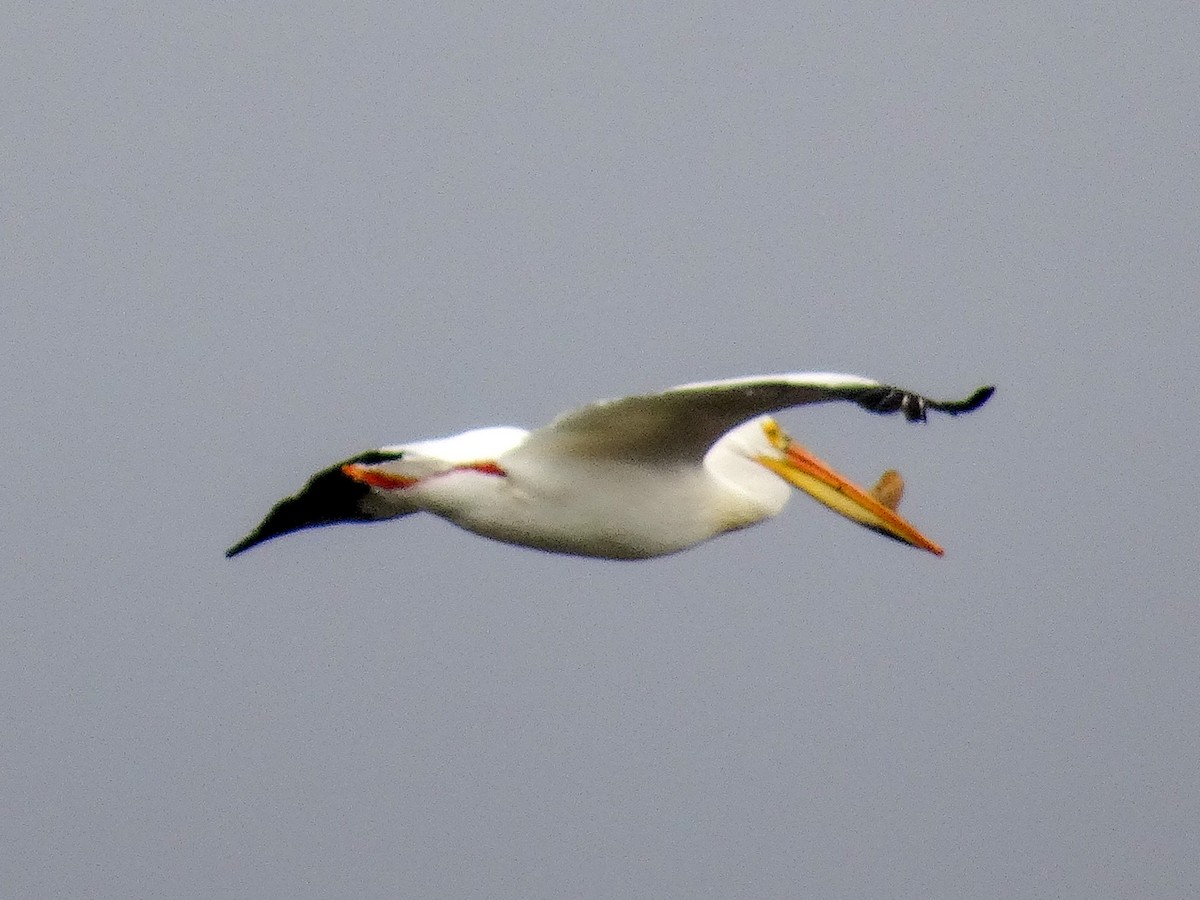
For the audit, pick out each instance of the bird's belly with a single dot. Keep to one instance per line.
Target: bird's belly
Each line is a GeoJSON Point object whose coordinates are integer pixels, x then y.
{"type": "Point", "coordinates": [634, 516]}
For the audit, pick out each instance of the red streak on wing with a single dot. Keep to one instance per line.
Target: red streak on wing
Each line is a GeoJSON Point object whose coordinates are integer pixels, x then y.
{"type": "Point", "coordinates": [486, 467]}
{"type": "Point", "coordinates": [375, 478]}
{"type": "Point", "coordinates": [389, 482]}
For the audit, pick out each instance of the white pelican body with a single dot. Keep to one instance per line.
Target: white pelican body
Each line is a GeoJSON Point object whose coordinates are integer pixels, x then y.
{"type": "Point", "coordinates": [599, 506]}
{"type": "Point", "coordinates": [633, 478]}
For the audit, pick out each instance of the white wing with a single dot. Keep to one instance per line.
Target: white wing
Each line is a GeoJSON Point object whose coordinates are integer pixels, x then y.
{"type": "Point", "coordinates": [679, 425]}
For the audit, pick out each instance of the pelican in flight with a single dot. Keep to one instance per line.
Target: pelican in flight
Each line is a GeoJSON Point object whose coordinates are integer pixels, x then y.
{"type": "Point", "coordinates": [633, 478]}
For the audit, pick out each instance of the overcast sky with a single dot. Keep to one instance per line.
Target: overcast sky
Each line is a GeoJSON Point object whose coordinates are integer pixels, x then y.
{"type": "Point", "coordinates": [242, 241]}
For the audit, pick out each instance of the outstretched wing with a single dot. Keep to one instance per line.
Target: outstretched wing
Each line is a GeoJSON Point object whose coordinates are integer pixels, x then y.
{"type": "Point", "coordinates": [679, 425]}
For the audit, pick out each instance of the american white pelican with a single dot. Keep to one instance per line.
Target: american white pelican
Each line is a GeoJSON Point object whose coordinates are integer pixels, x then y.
{"type": "Point", "coordinates": [632, 478]}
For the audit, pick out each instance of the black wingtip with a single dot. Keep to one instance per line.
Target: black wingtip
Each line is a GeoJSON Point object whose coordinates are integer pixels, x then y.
{"type": "Point", "coordinates": [271, 527]}
{"type": "Point", "coordinates": [886, 399]}
{"type": "Point", "coordinates": [329, 497]}
{"type": "Point", "coordinates": [241, 546]}
{"type": "Point", "coordinates": [976, 400]}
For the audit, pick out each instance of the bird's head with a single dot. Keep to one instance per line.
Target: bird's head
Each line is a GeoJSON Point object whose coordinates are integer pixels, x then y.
{"type": "Point", "coordinates": [766, 444]}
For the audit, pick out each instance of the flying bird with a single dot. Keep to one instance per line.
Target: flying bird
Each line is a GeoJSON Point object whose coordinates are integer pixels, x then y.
{"type": "Point", "coordinates": [633, 478]}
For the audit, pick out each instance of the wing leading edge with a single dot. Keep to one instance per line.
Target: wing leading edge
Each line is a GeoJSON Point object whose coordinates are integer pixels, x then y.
{"type": "Point", "coordinates": [680, 424]}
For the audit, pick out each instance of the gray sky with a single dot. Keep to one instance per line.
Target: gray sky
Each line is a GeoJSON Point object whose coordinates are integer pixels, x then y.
{"type": "Point", "coordinates": [241, 243]}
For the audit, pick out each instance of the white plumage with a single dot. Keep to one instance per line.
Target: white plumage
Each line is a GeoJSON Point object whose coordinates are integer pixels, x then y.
{"type": "Point", "coordinates": [632, 478]}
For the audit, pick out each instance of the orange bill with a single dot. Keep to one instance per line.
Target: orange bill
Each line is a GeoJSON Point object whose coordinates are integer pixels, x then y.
{"type": "Point", "coordinates": [801, 469]}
